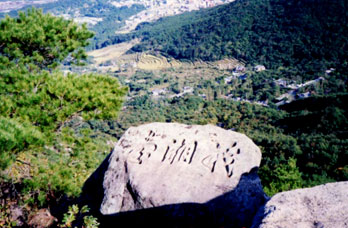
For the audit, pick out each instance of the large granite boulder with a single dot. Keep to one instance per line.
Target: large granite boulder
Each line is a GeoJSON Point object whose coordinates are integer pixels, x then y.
{"type": "Point", "coordinates": [168, 163]}
{"type": "Point", "coordinates": [318, 207]}
{"type": "Point", "coordinates": [175, 175]}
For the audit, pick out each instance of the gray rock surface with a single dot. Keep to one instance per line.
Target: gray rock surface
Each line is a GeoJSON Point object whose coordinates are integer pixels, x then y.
{"type": "Point", "coordinates": [168, 163]}
{"type": "Point", "coordinates": [318, 207]}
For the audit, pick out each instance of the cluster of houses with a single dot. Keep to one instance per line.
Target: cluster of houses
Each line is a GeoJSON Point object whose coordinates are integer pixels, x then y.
{"type": "Point", "coordinates": [293, 93]}
{"type": "Point", "coordinates": [240, 72]}
{"type": "Point", "coordinates": [163, 91]}
{"type": "Point", "coordinates": [158, 92]}
{"type": "Point", "coordinates": [285, 84]}
{"type": "Point", "coordinates": [329, 71]}
{"type": "Point", "coordinates": [311, 82]}
{"type": "Point", "coordinates": [230, 97]}
{"type": "Point", "coordinates": [186, 90]}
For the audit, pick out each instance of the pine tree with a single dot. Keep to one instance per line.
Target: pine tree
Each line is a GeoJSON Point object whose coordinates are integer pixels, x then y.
{"type": "Point", "coordinates": [41, 41]}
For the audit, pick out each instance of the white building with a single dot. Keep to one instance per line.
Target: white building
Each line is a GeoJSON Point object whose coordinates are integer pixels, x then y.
{"type": "Point", "coordinates": [259, 68]}
{"type": "Point", "coordinates": [157, 92]}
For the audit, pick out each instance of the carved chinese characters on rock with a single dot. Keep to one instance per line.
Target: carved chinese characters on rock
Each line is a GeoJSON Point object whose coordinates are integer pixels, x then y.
{"type": "Point", "coordinates": [180, 150]}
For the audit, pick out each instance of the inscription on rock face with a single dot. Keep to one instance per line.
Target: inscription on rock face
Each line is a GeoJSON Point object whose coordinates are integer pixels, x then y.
{"type": "Point", "coordinates": [181, 151]}
{"type": "Point", "coordinates": [227, 157]}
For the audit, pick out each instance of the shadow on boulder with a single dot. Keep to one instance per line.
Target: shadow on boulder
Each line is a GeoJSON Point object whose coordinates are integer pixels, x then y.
{"type": "Point", "coordinates": [93, 192]}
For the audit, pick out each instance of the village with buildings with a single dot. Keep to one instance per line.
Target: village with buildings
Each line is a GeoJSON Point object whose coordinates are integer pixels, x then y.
{"type": "Point", "coordinates": [156, 9]}
{"type": "Point", "coordinates": [294, 91]}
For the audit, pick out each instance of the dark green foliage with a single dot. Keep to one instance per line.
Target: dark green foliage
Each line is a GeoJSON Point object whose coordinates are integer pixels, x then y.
{"type": "Point", "coordinates": [48, 100]}
{"type": "Point", "coordinates": [325, 114]}
{"type": "Point", "coordinates": [105, 30]}
{"type": "Point", "coordinates": [15, 137]}
{"type": "Point", "coordinates": [284, 177]}
{"type": "Point", "coordinates": [65, 165]}
{"type": "Point", "coordinates": [321, 126]}
{"type": "Point", "coordinates": [325, 156]}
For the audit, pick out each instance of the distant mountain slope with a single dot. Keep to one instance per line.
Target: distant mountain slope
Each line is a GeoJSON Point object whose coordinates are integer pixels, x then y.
{"type": "Point", "coordinates": [312, 34]}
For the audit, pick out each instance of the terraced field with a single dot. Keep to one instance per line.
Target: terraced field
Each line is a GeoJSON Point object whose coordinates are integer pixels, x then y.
{"type": "Point", "coordinates": [151, 62]}
{"type": "Point", "coordinates": [115, 58]}
{"type": "Point", "coordinates": [112, 52]}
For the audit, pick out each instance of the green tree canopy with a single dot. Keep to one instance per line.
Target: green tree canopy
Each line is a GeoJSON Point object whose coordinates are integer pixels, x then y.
{"type": "Point", "coordinates": [41, 40]}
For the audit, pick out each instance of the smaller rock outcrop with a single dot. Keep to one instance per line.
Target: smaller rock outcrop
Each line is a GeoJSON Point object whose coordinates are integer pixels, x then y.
{"type": "Point", "coordinates": [42, 219]}
{"type": "Point", "coordinates": [318, 207]}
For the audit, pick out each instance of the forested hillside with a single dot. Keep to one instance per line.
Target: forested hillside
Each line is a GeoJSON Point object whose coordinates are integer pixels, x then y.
{"type": "Point", "coordinates": [304, 37]}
